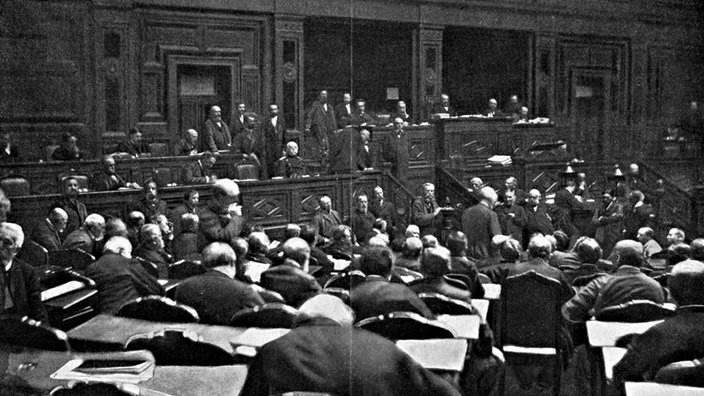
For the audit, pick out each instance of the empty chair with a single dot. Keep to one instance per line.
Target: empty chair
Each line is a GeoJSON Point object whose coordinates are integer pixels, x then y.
{"type": "Point", "coordinates": [15, 185]}
{"type": "Point", "coordinates": [270, 315]}
{"type": "Point", "coordinates": [634, 311]}
{"type": "Point", "coordinates": [33, 254]}
{"type": "Point", "coordinates": [158, 309]}
{"type": "Point", "coordinates": [483, 278]}
{"type": "Point", "coordinates": [247, 172]}
{"type": "Point", "coordinates": [185, 269]}
{"type": "Point", "coordinates": [405, 326]}
{"type": "Point", "coordinates": [347, 280]}
{"type": "Point", "coordinates": [25, 332]}
{"type": "Point", "coordinates": [178, 348]}
{"type": "Point", "coordinates": [72, 258]}
{"type": "Point", "coordinates": [166, 176]}
{"type": "Point", "coordinates": [443, 305]}
{"type": "Point", "coordinates": [531, 323]}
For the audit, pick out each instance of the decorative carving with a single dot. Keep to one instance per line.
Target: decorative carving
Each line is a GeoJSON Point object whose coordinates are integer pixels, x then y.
{"type": "Point", "coordinates": [265, 209]}
{"type": "Point", "coordinates": [291, 27]}
{"type": "Point", "coordinates": [290, 72]}
{"type": "Point", "coordinates": [430, 35]}
{"type": "Point", "coordinates": [112, 67]}
{"type": "Point", "coordinates": [431, 77]}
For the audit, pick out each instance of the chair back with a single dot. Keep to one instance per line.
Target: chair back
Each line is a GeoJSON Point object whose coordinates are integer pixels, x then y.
{"type": "Point", "coordinates": [405, 326]}
{"type": "Point", "coordinates": [15, 185]}
{"type": "Point", "coordinates": [346, 280]}
{"type": "Point", "coordinates": [483, 278]}
{"type": "Point", "coordinates": [26, 332]}
{"type": "Point", "coordinates": [158, 309]}
{"type": "Point", "coordinates": [634, 311]}
{"type": "Point", "coordinates": [247, 172]}
{"type": "Point", "coordinates": [185, 269]}
{"type": "Point", "coordinates": [524, 298]}
{"type": "Point", "coordinates": [270, 315]}
{"type": "Point", "coordinates": [151, 268]}
{"type": "Point", "coordinates": [163, 176]}
{"type": "Point", "coordinates": [688, 373]}
{"type": "Point", "coordinates": [158, 149]}
{"type": "Point", "coordinates": [71, 258]}
{"type": "Point", "coordinates": [442, 305]}
{"type": "Point", "coordinates": [582, 281]}
{"type": "Point", "coordinates": [82, 181]}
{"type": "Point", "coordinates": [34, 254]}
{"type": "Point", "coordinates": [338, 292]}
{"type": "Point", "coordinates": [179, 348]}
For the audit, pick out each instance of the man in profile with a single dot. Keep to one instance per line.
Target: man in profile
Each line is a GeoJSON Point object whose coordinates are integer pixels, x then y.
{"type": "Point", "coordinates": [444, 106]}
{"type": "Point", "coordinates": [290, 166]}
{"type": "Point", "coordinates": [69, 202]}
{"type": "Point", "coordinates": [88, 236]}
{"type": "Point", "coordinates": [108, 179]}
{"type": "Point", "coordinates": [188, 145]}
{"type": "Point", "coordinates": [326, 219]}
{"type": "Point", "coordinates": [47, 232]}
{"type": "Point", "coordinates": [200, 171]}
{"type": "Point", "coordinates": [216, 134]}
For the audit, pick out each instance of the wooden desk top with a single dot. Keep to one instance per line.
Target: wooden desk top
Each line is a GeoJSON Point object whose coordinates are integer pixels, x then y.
{"type": "Point", "coordinates": [172, 380]}
{"type": "Point", "coordinates": [114, 331]}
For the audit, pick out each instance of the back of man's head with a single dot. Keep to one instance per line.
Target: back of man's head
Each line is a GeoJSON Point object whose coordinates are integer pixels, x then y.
{"type": "Point", "coordinates": [488, 196]}
{"type": "Point", "coordinates": [510, 250]}
{"type": "Point", "coordinates": [258, 242]}
{"type": "Point", "coordinates": [539, 247]}
{"type": "Point", "coordinates": [57, 215]}
{"type": "Point", "coordinates": [292, 231]}
{"type": "Point", "coordinates": [376, 261]}
{"type": "Point", "coordinates": [118, 245]}
{"type": "Point", "coordinates": [94, 220]}
{"type": "Point", "coordinates": [429, 241]}
{"type": "Point", "coordinates": [435, 262]}
{"type": "Point", "coordinates": [686, 282]}
{"type": "Point", "coordinates": [412, 248]}
{"type": "Point", "coordinates": [562, 240]}
{"type": "Point", "coordinates": [226, 187]}
{"type": "Point", "coordinates": [627, 252]}
{"type": "Point", "coordinates": [218, 254]}
{"type": "Point", "coordinates": [189, 222]}
{"type": "Point", "coordinates": [297, 250]}
{"type": "Point", "coordinates": [698, 249]}
{"type": "Point", "coordinates": [308, 233]}
{"type": "Point", "coordinates": [678, 252]}
{"type": "Point", "coordinates": [115, 227]}
{"type": "Point", "coordinates": [326, 306]}
{"type": "Point", "coordinates": [456, 243]}
{"type": "Point", "coordinates": [588, 251]}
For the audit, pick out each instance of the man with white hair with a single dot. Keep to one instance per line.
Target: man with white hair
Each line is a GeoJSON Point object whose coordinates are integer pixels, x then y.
{"type": "Point", "coordinates": [480, 223]}
{"type": "Point", "coordinates": [120, 278]}
{"type": "Point", "coordinates": [675, 236]}
{"type": "Point", "coordinates": [650, 245]}
{"type": "Point", "coordinates": [48, 231]}
{"type": "Point", "coordinates": [290, 166]}
{"type": "Point", "coordinates": [326, 219]}
{"type": "Point", "coordinates": [21, 289]}
{"type": "Point", "coordinates": [319, 354]}
{"type": "Point", "coordinates": [88, 236]}
{"type": "Point", "coordinates": [493, 109]}
{"type": "Point", "coordinates": [539, 252]}
{"type": "Point", "coordinates": [425, 209]}
{"type": "Point", "coordinates": [216, 295]}
{"type": "Point", "coordinates": [216, 134]}
{"type": "Point", "coordinates": [188, 145]}
{"type": "Point", "coordinates": [152, 250]}
{"type": "Point", "coordinates": [217, 224]}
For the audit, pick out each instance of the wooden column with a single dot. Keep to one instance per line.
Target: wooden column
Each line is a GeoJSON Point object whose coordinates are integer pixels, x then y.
{"type": "Point", "coordinates": [428, 69]}
{"type": "Point", "coordinates": [288, 69]}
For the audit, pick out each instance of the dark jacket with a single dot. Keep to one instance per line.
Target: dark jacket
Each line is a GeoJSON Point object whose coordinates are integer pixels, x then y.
{"type": "Point", "coordinates": [440, 285]}
{"type": "Point", "coordinates": [185, 244]}
{"type": "Point", "coordinates": [288, 279]}
{"type": "Point", "coordinates": [75, 210]}
{"type": "Point", "coordinates": [101, 181]}
{"type": "Point", "coordinates": [45, 234]}
{"type": "Point", "coordinates": [215, 137]}
{"type": "Point", "coordinates": [150, 209]}
{"type": "Point", "coordinates": [480, 224]}
{"type": "Point", "coordinates": [22, 280]}
{"type": "Point", "coordinates": [377, 296]}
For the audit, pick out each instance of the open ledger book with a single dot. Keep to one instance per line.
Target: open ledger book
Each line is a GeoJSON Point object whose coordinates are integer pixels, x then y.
{"type": "Point", "coordinates": [130, 367]}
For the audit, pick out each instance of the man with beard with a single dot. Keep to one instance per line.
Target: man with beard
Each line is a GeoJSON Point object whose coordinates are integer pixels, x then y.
{"type": "Point", "coordinates": [69, 202]}
{"type": "Point", "coordinates": [248, 144]}
{"type": "Point", "coordinates": [188, 145]}
{"type": "Point", "coordinates": [201, 171]}
{"type": "Point", "coordinates": [88, 236]}
{"type": "Point", "coordinates": [109, 180]}
{"type": "Point", "coordinates": [326, 219]}
{"type": "Point", "coordinates": [134, 145]}
{"type": "Point", "coordinates": [216, 134]}
{"type": "Point", "coordinates": [382, 208]}
{"type": "Point", "coordinates": [425, 210]}
{"type": "Point", "coordinates": [396, 150]}
{"type": "Point", "coordinates": [151, 205]}
{"type": "Point", "coordinates": [362, 221]}
{"type": "Point", "coordinates": [320, 125]}
{"type": "Point", "coordinates": [217, 222]}
{"type": "Point", "coordinates": [191, 199]}
{"type": "Point", "coordinates": [512, 217]}
{"type": "Point", "coordinates": [636, 215]}
{"type": "Point", "coordinates": [290, 166]}
{"type": "Point", "coordinates": [274, 135]}
{"type": "Point", "coordinates": [152, 250]}
{"type": "Point", "coordinates": [344, 111]}
{"type": "Point", "coordinates": [48, 232]}
{"type": "Point", "coordinates": [607, 220]}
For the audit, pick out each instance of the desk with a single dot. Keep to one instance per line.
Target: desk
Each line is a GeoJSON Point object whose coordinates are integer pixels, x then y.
{"type": "Point", "coordinates": [172, 380]}
{"type": "Point", "coordinates": [654, 389]}
{"type": "Point", "coordinates": [107, 332]}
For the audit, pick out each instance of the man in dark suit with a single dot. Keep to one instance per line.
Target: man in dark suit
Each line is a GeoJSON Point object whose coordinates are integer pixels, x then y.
{"type": "Point", "coordinates": [493, 109]}
{"type": "Point", "coordinates": [434, 264]}
{"type": "Point", "coordinates": [678, 338]}
{"type": "Point", "coordinates": [539, 251]}
{"type": "Point", "coordinates": [134, 145]}
{"type": "Point", "coordinates": [513, 109]}
{"type": "Point", "coordinates": [151, 205]}
{"type": "Point", "coordinates": [200, 171]}
{"type": "Point", "coordinates": [320, 124]}
{"type": "Point", "coordinates": [319, 354]}
{"type": "Point", "coordinates": [382, 208]}
{"type": "Point", "coordinates": [326, 219]}
{"type": "Point", "coordinates": [119, 278]}
{"type": "Point", "coordinates": [360, 117]}
{"type": "Point", "coordinates": [274, 135]}
{"type": "Point", "coordinates": [240, 121]}
{"type": "Point", "coordinates": [216, 295]}
{"type": "Point", "coordinates": [21, 289]}
{"type": "Point", "coordinates": [362, 220]}
{"type": "Point", "coordinates": [108, 179]}
{"type": "Point", "coordinates": [152, 250]}
{"type": "Point", "coordinates": [216, 134]}
{"type": "Point", "coordinates": [88, 236]}
{"type": "Point", "coordinates": [188, 145]}
{"type": "Point", "coordinates": [48, 232]}
{"type": "Point", "coordinates": [401, 113]}
{"type": "Point", "coordinates": [376, 295]}
{"type": "Point", "coordinates": [249, 144]}
{"type": "Point", "coordinates": [343, 151]}
{"type": "Point", "coordinates": [480, 223]}
{"type": "Point", "coordinates": [425, 210]}
{"type": "Point", "coordinates": [444, 106]}
{"type": "Point", "coordinates": [567, 202]}
{"type": "Point", "coordinates": [365, 158]}
{"type": "Point", "coordinates": [344, 111]}
{"type": "Point", "coordinates": [291, 165]}
{"type": "Point", "coordinates": [221, 219]}
{"type": "Point", "coordinates": [69, 202]}
{"type": "Point", "coordinates": [396, 150]}
{"type": "Point", "coordinates": [537, 218]}
{"type": "Point", "coordinates": [512, 217]}
{"type": "Point", "coordinates": [191, 202]}
{"type": "Point", "coordinates": [291, 279]}
{"type": "Point", "coordinates": [461, 264]}
{"type": "Point", "coordinates": [636, 215]}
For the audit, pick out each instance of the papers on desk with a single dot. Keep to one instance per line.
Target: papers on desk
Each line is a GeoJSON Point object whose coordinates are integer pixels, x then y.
{"type": "Point", "coordinates": [464, 326]}
{"type": "Point", "coordinates": [62, 289]}
{"type": "Point", "coordinates": [131, 367]}
{"type": "Point", "coordinates": [607, 333]}
{"type": "Point", "coordinates": [481, 305]}
{"type": "Point", "coordinates": [254, 270]}
{"type": "Point", "coordinates": [339, 264]}
{"type": "Point", "coordinates": [612, 355]}
{"type": "Point", "coordinates": [257, 337]}
{"type": "Point", "coordinates": [503, 160]}
{"type": "Point", "coordinates": [438, 354]}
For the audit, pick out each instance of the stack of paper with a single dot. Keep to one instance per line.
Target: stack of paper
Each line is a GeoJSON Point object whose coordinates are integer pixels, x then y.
{"type": "Point", "coordinates": [62, 289]}
{"type": "Point", "coordinates": [500, 160]}
{"type": "Point", "coordinates": [127, 367]}
{"type": "Point", "coordinates": [437, 354]}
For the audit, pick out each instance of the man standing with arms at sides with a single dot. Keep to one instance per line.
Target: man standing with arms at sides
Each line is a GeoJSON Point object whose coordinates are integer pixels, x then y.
{"type": "Point", "coordinates": [480, 224]}
{"type": "Point", "coordinates": [537, 218]}
{"type": "Point", "coordinates": [362, 220]}
{"type": "Point", "coordinates": [344, 111]}
{"type": "Point", "coordinates": [216, 134]}
{"type": "Point", "coordinates": [382, 208]}
{"type": "Point", "coordinates": [320, 125]}
{"type": "Point", "coordinates": [425, 209]}
{"type": "Point", "coordinates": [240, 121]}
{"type": "Point", "coordinates": [274, 134]}
{"type": "Point", "coordinates": [74, 208]}
{"type": "Point", "coordinates": [396, 151]}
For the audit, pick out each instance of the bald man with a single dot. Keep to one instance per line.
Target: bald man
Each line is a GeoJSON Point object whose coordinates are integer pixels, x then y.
{"type": "Point", "coordinates": [480, 223]}
{"type": "Point", "coordinates": [188, 145]}
{"type": "Point", "coordinates": [48, 231]}
{"type": "Point", "coordinates": [216, 134]}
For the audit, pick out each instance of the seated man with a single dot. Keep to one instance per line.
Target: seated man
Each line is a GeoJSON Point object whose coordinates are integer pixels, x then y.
{"type": "Point", "coordinates": [410, 255]}
{"type": "Point", "coordinates": [461, 264]}
{"type": "Point", "coordinates": [134, 145]}
{"type": "Point", "coordinates": [201, 171]}
{"type": "Point", "coordinates": [628, 283]}
{"type": "Point", "coordinates": [21, 290]}
{"type": "Point", "coordinates": [362, 220]}
{"type": "Point", "coordinates": [291, 279]}
{"type": "Point", "coordinates": [326, 219]}
{"type": "Point", "coordinates": [677, 338]}
{"type": "Point", "coordinates": [588, 254]}
{"type": "Point", "coordinates": [186, 241]}
{"type": "Point", "coordinates": [216, 295]}
{"type": "Point", "coordinates": [290, 166]}
{"type": "Point", "coordinates": [88, 236]}
{"type": "Point", "coordinates": [342, 243]}
{"type": "Point", "coordinates": [108, 179]}
{"type": "Point", "coordinates": [434, 264]}
{"type": "Point", "coordinates": [402, 114]}
{"type": "Point", "coordinates": [151, 205]}
{"type": "Point", "coordinates": [119, 278]}
{"type": "Point", "coordinates": [217, 222]}
{"type": "Point", "coordinates": [650, 245]}
{"type": "Point", "coordinates": [319, 354]}
{"type": "Point", "coordinates": [68, 151]}
{"type": "Point", "coordinates": [493, 110]}
{"type": "Point", "coordinates": [8, 149]}
{"type": "Point", "coordinates": [152, 250]}
{"type": "Point", "coordinates": [187, 145]}
{"type": "Point", "coordinates": [376, 295]}
{"type": "Point", "coordinates": [48, 232]}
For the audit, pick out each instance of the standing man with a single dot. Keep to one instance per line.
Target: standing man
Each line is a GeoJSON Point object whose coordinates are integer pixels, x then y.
{"type": "Point", "coordinates": [636, 215]}
{"type": "Point", "coordinates": [493, 110]}
{"type": "Point", "coordinates": [151, 205]}
{"type": "Point", "coordinates": [247, 144]}
{"type": "Point", "coordinates": [69, 202]}
{"type": "Point", "coordinates": [320, 125]}
{"type": "Point", "coordinates": [274, 135]}
{"type": "Point", "coordinates": [191, 199]}
{"type": "Point", "coordinates": [480, 224]}
{"type": "Point", "coordinates": [512, 217]}
{"type": "Point", "coordinates": [424, 210]}
{"type": "Point", "coordinates": [567, 202]}
{"type": "Point", "coordinates": [188, 145]}
{"type": "Point", "coordinates": [344, 111]}
{"type": "Point", "coordinates": [396, 151]}
{"type": "Point", "coordinates": [383, 209]}
{"type": "Point", "coordinates": [216, 134]}
{"type": "Point", "coordinates": [238, 124]}
{"type": "Point", "coordinates": [537, 218]}
{"type": "Point", "coordinates": [607, 220]}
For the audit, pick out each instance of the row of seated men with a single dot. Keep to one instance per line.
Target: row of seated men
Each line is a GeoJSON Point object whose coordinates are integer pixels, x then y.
{"type": "Point", "coordinates": [616, 282]}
